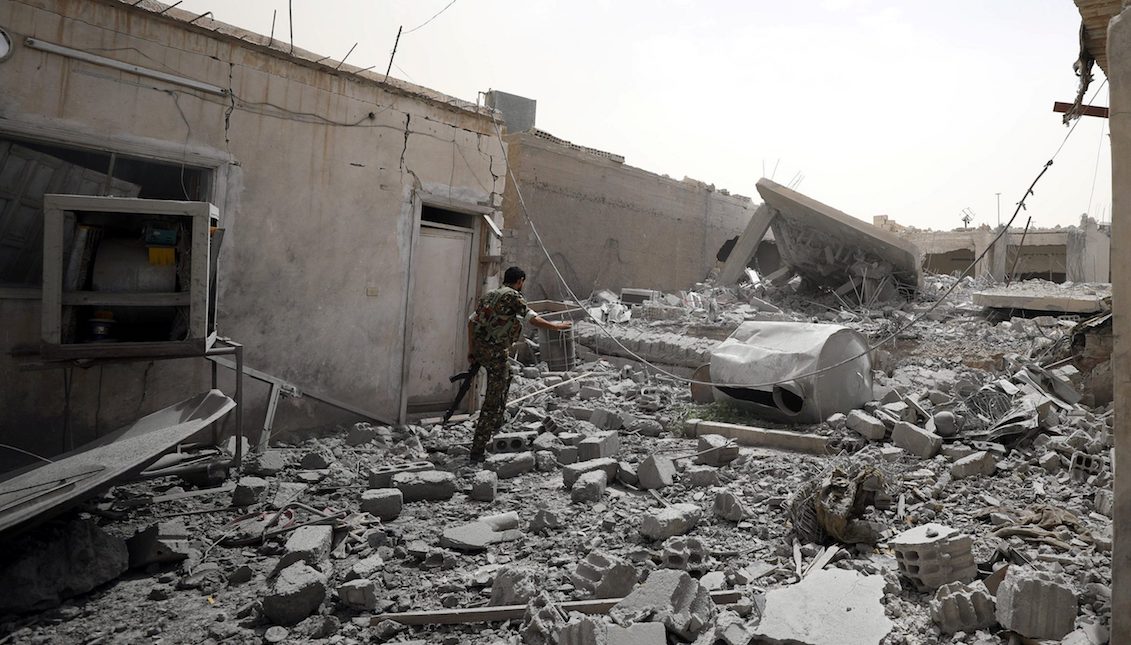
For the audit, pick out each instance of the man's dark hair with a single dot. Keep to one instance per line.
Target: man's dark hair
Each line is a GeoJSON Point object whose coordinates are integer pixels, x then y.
{"type": "Point", "coordinates": [513, 275]}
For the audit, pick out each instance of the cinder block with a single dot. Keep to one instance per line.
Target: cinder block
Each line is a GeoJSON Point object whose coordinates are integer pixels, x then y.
{"type": "Point", "coordinates": [685, 554]}
{"type": "Point", "coordinates": [866, 425]}
{"type": "Point", "coordinates": [933, 555]}
{"type": "Point", "coordinates": [715, 450]}
{"type": "Point", "coordinates": [384, 503]}
{"type": "Point", "coordinates": [670, 521]}
{"type": "Point", "coordinates": [589, 487]}
{"type": "Point", "coordinates": [604, 444]}
{"type": "Point", "coordinates": [509, 465]}
{"type": "Point", "coordinates": [1085, 466]}
{"type": "Point", "coordinates": [382, 476]}
{"type": "Point", "coordinates": [916, 440]}
{"type": "Point", "coordinates": [571, 472]}
{"type": "Point", "coordinates": [604, 575]}
{"type": "Point", "coordinates": [428, 485]}
{"type": "Point", "coordinates": [1036, 604]}
{"type": "Point", "coordinates": [512, 441]}
{"type": "Point", "coordinates": [670, 597]}
{"type": "Point", "coordinates": [656, 471]}
{"type": "Point", "coordinates": [979, 463]}
{"type": "Point", "coordinates": [958, 607]}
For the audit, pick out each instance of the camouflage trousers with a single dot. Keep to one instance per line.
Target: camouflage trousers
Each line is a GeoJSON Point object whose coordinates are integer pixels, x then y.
{"type": "Point", "coordinates": [494, 402]}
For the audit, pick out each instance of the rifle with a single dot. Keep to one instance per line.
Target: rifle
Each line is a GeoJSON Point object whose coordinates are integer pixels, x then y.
{"type": "Point", "coordinates": [466, 377]}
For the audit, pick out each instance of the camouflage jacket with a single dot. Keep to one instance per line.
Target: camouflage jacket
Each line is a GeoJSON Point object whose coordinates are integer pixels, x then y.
{"type": "Point", "coordinates": [497, 321]}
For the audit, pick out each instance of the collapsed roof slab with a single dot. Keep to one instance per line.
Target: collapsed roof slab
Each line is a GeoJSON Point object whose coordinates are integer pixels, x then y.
{"type": "Point", "coordinates": [830, 248]}
{"type": "Point", "coordinates": [1045, 296]}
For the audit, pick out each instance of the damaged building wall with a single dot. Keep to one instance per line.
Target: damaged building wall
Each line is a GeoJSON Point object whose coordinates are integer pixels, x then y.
{"type": "Point", "coordinates": [320, 176]}
{"type": "Point", "coordinates": [604, 222]}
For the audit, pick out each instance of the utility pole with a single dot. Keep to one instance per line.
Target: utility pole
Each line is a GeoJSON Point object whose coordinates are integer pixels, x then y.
{"type": "Point", "coordinates": [998, 208]}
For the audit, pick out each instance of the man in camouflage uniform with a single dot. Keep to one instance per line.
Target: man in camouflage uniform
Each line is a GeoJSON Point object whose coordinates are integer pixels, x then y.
{"type": "Point", "coordinates": [491, 330]}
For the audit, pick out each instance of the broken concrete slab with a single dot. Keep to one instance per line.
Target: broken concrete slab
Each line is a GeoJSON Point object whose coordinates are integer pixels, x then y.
{"type": "Point", "coordinates": [382, 476]}
{"type": "Point", "coordinates": [1036, 604]}
{"type": "Point", "coordinates": [603, 444]}
{"type": "Point", "coordinates": [1042, 296]}
{"type": "Point", "coordinates": [309, 544]}
{"type": "Point", "coordinates": [916, 440]}
{"type": "Point", "coordinates": [657, 471]}
{"type": "Point", "coordinates": [425, 486]}
{"type": "Point", "coordinates": [670, 521]}
{"type": "Point", "coordinates": [58, 561]}
{"type": "Point", "coordinates": [159, 544]}
{"type": "Point", "coordinates": [510, 465]}
{"type": "Point", "coordinates": [866, 425]}
{"type": "Point", "coordinates": [978, 463]}
{"type": "Point", "coordinates": [513, 585]}
{"type": "Point", "coordinates": [480, 534]}
{"type": "Point", "coordinates": [249, 491]}
{"type": "Point", "coordinates": [358, 594]}
{"type": "Point", "coordinates": [729, 506]}
{"type": "Point", "coordinates": [701, 476]}
{"type": "Point", "coordinates": [571, 472]}
{"type": "Point", "coordinates": [715, 450]}
{"type": "Point", "coordinates": [746, 245]}
{"type": "Point", "coordinates": [484, 486]}
{"type": "Point", "coordinates": [830, 248]}
{"type": "Point", "coordinates": [294, 594]}
{"type": "Point", "coordinates": [604, 575]}
{"type": "Point", "coordinates": [589, 487]}
{"type": "Point", "coordinates": [385, 503]}
{"type": "Point", "coordinates": [670, 597]}
{"type": "Point", "coordinates": [761, 437]}
{"type": "Point", "coordinates": [828, 607]}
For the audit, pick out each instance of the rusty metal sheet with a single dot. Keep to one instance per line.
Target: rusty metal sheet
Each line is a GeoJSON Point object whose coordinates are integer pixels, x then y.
{"type": "Point", "coordinates": [35, 493]}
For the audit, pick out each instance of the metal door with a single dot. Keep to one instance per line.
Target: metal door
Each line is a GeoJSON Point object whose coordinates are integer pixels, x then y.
{"type": "Point", "coordinates": [441, 272]}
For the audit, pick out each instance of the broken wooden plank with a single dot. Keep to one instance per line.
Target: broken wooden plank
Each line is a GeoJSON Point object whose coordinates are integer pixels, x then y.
{"type": "Point", "coordinates": [761, 437]}
{"type": "Point", "coordinates": [513, 612]}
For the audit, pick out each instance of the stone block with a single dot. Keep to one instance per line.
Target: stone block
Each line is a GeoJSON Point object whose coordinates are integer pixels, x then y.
{"type": "Point", "coordinates": [578, 412]}
{"type": "Point", "coordinates": [866, 425]}
{"type": "Point", "coordinates": [604, 444]}
{"type": "Point", "coordinates": [916, 440]}
{"type": "Point", "coordinates": [367, 568]}
{"type": "Point", "coordinates": [606, 419]}
{"type": "Point", "coordinates": [589, 487]}
{"type": "Point", "coordinates": [567, 455]}
{"type": "Point", "coordinates": [701, 476]}
{"type": "Point", "coordinates": [1103, 502]}
{"type": "Point", "coordinates": [958, 607]}
{"type": "Point", "coordinates": [509, 465]}
{"type": "Point", "coordinates": [385, 503]}
{"type": "Point", "coordinates": [672, 598]}
{"type": "Point", "coordinates": [358, 594]}
{"type": "Point", "coordinates": [266, 463]}
{"type": "Point", "coordinates": [547, 441]}
{"type": "Point", "coordinates": [956, 451]}
{"type": "Point", "coordinates": [594, 630]}
{"type": "Point", "coordinates": [382, 476]}
{"type": "Point", "coordinates": [729, 506]}
{"type": "Point", "coordinates": [571, 472]}
{"type": "Point", "coordinates": [588, 393]}
{"type": "Point", "coordinates": [604, 575]}
{"type": "Point", "coordinates": [484, 486]}
{"type": "Point", "coordinates": [544, 520]}
{"type": "Point", "coordinates": [670, 521]}
{"type": "Point", "coordinates": [932, 555]}
{"type": "Point", "coordinates": [318, 459]}
{"type": "Point", "coordinates": [294, 594]}
{"type": "Point", "coordinates": [685, 553]}
{"type": "Point", "coordinates": [512, 441]}
{"type": "Point", "coordinates": [656, 471]}
{"type": "Point", "coordinates": [1036, 604]}
{"type": "Point", "coordinates": [249, 490]}
{"type": "Point", "coordinates": [426, 485]}
{"type": "Point", "coordinates": [544, 461]}
{"type": "Point", "coordinates": [978, 463]}
{"type": "Point", "coordinates": [570, 438]}
{"type": "Point", "coordinates": [309, 544]}
{"type": "Point", "coordinates": [1050, 461]}
{"type": "Point", "coordinates": [568, 389]}
{"type": "Point", "coordinates": [715, 450]}
{"type": "Point", "coordinates": [891, 453]}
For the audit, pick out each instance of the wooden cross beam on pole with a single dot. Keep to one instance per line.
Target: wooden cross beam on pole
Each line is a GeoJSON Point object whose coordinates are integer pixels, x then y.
{"type": "Point", "coordinates": [1086, 110]}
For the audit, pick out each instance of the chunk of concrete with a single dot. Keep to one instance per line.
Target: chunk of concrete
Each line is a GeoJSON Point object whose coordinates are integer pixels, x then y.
{"type": "Point", "coordinates": [542, 622]}
{"type": "Point", "coordinates": [686, 554]}
{"type": "Point", "coordinates": [715, 450]}
{"type": "Point", "coordinates": [359, 594]}
{"type": "Point", "coordinates": [484, 486]}
{"type": "Point", "coordinates": [571, 472]}
{"type": "Point", "coordinates": [318, 459]}
{"type": "Point", "coordinates": [946, 423]}
{"type": "Point", "coordinates": [656, 471]}
{"type": "Point", "coordinates": [670, 597]}
{"type": "Point", "coordinates": [828, 607]}
{"type": "Point", "coordinates": [1036, 604]}
{"type": "Point", "coordinates": [604, 575]}
{"type": "Point", "coordinates": [249, 490]}
{"type": "Point", "coordinates": [544, 520]}
{"type": "Point", "coordinates": [701, 476]}
{"type": "Point", "coordinates": [56, 562]}
{"type": "Point", "coordinates": [916, 440]}
{"type": "Point", "coordinates": [606, 419]}
{"type": "Point", "coordinates": [978, 463]}
{"type": "Point", "coordinates": [958, 607]}
{"type": "Point", "coordinates": [670, 521]}
{"type": "Point", "coordinates": [513, 586]}
{"type": "Point", "coordinates": [368, 567]}
{"type": "Point", "coordinates": [478, 535]}
{"type": "Point", "coordinates": [509, 465]}
{"type": "Point", "coordinates": [729, 506]}
{"type": "Point", "coordinates": [385, 503]}
{"type": "Point", "coordinates": [589, 487]}
{"type": "Point", "coordinates": [604, 444]}
{"type": "Point", "coordinates": [309, 544]}
{"type": "Point", "coordinates": [866, 425]}
{"type": "Point", "coordinates": [594, 630]}
{"type": "Point", "coordinates": [426, 486]}
{"type": "Point", "coordinates": [294, 594]}
{"type": "Point", "coordinates": [382, 476]}
{"type": "Point", "coordinates": [159, 544]}
{"type": "Point", "coordinates": [266, 463]}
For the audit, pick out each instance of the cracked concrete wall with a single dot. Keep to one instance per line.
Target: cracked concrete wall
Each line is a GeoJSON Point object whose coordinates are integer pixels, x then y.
{"type": "Point", "coordinates": [609, 225]}
{"type": "Point", "coordinates": [319, 177]}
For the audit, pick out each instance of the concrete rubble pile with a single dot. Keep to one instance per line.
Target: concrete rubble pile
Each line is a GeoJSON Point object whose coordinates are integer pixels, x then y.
{"type": "Point", "coordinates": [967, 501]}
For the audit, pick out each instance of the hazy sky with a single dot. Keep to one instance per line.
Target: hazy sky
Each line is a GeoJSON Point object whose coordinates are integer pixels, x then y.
{"type": "Point", "coordinates": [913, 109]}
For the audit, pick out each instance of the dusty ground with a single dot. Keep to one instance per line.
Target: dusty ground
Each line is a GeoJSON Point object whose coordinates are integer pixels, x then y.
{"type": "Point", "coordinates": [954, 351]}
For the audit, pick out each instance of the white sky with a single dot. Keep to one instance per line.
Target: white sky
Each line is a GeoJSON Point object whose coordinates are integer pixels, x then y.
{"type": "Point", "coordinates": [913, 109]}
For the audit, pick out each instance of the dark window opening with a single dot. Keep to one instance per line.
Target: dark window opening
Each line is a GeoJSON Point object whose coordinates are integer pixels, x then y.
{"type": "Point", "coordinates": [441, 216]}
